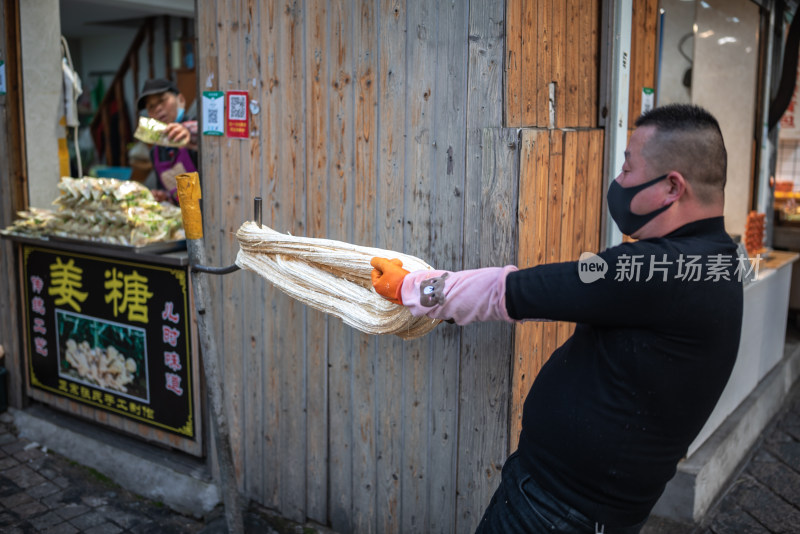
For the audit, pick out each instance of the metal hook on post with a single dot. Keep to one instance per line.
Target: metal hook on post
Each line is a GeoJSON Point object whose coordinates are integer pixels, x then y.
{"type": "Point", "coordinates": [233, 502]}
{"type": "Point", "coordinates": [215, 270]}
{"type": "Point", "coordinates": [257, 215]}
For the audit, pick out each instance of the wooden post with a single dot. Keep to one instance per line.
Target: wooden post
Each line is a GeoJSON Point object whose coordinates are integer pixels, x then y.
{"type": "Point", "coordinates": [151, 69]}
{"type": "Point", "coordinates": [167, 47]}
{"type": "Point", "coordinates": [189, 196]}
{"type": "Point", "coordinates": [122, 123]}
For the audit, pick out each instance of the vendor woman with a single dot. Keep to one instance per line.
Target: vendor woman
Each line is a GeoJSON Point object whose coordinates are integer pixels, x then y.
{"type": "Point", "coordinates": [162, 101]}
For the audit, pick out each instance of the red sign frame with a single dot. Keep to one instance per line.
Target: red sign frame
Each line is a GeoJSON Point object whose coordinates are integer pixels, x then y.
{"type": "Point", "coordinates": [237, 115]}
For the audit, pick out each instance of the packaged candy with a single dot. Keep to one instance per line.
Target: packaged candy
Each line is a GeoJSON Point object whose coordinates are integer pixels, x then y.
{"type": "Point", "coordinates": [153, 132]}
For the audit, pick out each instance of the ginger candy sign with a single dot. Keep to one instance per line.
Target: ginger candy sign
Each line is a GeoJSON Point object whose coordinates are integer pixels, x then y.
{"type": "Point", "coordinates": [111, 334]}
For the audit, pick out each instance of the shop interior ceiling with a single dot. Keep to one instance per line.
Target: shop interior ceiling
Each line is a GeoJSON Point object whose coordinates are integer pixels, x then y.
{"type": "Point", "coordinates": [82, 18]}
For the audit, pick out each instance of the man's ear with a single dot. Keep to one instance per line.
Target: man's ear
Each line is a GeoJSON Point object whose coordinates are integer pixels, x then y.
{"type": "Point", "coordinates": [677, 187]}
{"type": "Point", "coordinates": [181, 101]}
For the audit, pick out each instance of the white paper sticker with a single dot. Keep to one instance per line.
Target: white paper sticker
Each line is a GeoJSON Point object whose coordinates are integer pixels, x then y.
{"type": "Point", "coordinates": [213, 113]}
{"type": "Point", "coordinates": [2, 77]}
{"type": "Point", "coordinates": [648, 98]}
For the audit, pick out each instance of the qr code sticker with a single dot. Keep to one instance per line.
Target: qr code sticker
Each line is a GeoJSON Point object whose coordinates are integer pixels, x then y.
{"type": "Point", "coordinates": [238, 109]}
{"type": "Point", "coordinates": [212, 116]}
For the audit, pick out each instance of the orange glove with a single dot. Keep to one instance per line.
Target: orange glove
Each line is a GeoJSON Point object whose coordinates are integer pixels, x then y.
{"type": "Point", "coordinates": [387, 278]}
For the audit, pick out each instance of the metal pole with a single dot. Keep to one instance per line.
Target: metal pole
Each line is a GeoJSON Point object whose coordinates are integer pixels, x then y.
{"type": "Point", "coordinates": [617, 129]}
{"type": "Point", "coordinates": [257, 213]}
{"type": "Point", "coordinates": [189, 196]}
{"type": "Point", "coordinates": [230, 268]}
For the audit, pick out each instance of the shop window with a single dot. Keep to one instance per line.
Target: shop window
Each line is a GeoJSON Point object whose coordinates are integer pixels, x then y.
{"type": "Point", "coordinates": [708, 55]}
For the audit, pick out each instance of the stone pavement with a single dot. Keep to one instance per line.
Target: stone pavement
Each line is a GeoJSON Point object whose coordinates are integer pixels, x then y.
{"type": "Point", "coordinates": [764, 497]}
{"type": "Point", "coordinates": [42, 492]}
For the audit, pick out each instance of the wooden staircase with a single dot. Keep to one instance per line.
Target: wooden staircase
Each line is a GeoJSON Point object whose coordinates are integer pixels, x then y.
{"type": "Point", "coordinates": [113, 124]}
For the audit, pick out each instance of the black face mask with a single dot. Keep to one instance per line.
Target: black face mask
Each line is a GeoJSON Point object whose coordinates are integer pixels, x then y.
{"type": "Point", "coordinates": [619, 205]}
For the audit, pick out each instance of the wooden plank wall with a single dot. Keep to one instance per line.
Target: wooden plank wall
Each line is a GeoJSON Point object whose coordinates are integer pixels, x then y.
{"type": "Point", "coordinates": [560, 193]}
{"type": "Point", "coordinates": [644, 54]}
{"type": "Point", "coordinates": [551, 89]}
{"type": "Point", "coordinates": [13, 197]}
{"type": "Point", "coordinates": [378, 122]}
{"type": "Point", "coordinates": [552, 42]}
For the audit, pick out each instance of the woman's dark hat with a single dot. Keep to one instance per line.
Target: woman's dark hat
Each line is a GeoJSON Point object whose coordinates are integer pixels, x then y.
{"type": "Point", "coordinates": [156, 86]}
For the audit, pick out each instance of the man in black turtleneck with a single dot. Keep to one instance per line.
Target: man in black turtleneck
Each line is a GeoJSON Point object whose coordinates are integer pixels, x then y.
{"type": "Point", "coordinates": [658, 323]}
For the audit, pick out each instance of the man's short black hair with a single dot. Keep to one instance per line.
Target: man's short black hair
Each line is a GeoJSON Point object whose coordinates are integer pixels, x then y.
{"type": "Point", "coordinates": [678, 117]}
{"type": "Point", "coordinates": [688, 139]}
